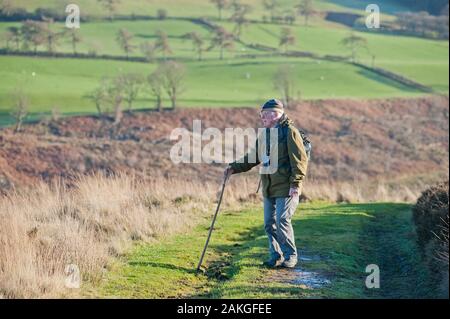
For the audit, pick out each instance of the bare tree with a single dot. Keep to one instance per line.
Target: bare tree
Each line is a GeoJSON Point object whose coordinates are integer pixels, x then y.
{"type": "Point", "coordinates": [286, 38]}
{"type": "Point", "coordinates": [197, 43]}
{"type": "Point", "coordinates": [7, 36]}
{"type": "Point", "coordinates": [109, 96]}
{"type": "Point", "coordinates": [406, 21]}
{"type": "Point", "coordinates": [100, 96]}
{"type": "Point", "coordinates": [222, 39]}
{"type": "Point", "coordinates": [14, 35]}
{"type": "Point", "coordinates": [6, 7]}
{"type": "Point", "coordinates": [55, 114]}
{"type": "Point", "coordinates": [51, 36]}
{"type": "Point", "coordinates": [284, 80]}
{"type": "Point", "coordinates": [110, 6]}
{"type": "Point", "coordinates": [423, 24]}
{"type": "Point", "coordinates": [305, 9]}
{"type": "Point", "coordinates": [239, 17]}
{"type": "Point", "coordinates": [20, 110]}
{"type": "Point", "coordinates": [161, 14]}
{"type": "Point", "coordinates": [162, 43]}
{"type": "Point", "coordinates": [148, 49]}
{"type": "Point", "coordinates": [221, 5]}
{"type": "Point", "coordinates": [354, 43]}
{"type": "Point", "coordinates": [124, 38]}
{"type": "Point", "coordinates": [115, 93]}
{"type": "Point", "coordinates": [155, 83]}
{"type": "Point", "coordinates": [32, 34]}
{"type": "Point", "coordinates": [271, 6]}
{"type": "Point", "coordinates": [131, 85]}
{"type": "Point", "coordinates": [75, 38]}
{"type": "Point", "coordinates": [173, 74]}
{"type": "Point", "coordinates": [289, 17]}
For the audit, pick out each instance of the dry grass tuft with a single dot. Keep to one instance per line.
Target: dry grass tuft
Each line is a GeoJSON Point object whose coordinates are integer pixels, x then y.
{"type": "Point", "coordinates": [359, 192]}
{"type": "Point", "coordinates": [47, 228]}
{"type": "Point", "coordinates": [51, 226]}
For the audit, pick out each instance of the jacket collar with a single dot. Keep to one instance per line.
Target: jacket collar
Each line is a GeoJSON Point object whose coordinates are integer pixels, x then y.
{"type": "Point", "coordinates": [284, 120]}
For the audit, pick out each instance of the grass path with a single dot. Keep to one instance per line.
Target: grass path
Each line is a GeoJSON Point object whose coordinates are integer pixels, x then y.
{"type": "Point", "coordinates": [336, 243]}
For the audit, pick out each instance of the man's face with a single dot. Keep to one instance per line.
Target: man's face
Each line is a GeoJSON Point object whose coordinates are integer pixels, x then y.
{"type": "Point", "coordinates": [269, 118]}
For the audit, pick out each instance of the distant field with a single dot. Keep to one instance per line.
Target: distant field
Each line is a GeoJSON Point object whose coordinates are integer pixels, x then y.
{"type": "Point", "coordinates": [203, 8]}
{"type": "Point", "coordinates": [65, 83]}
{"type": "Point", "coordinates": [101, 38]}
{"type": "Point", "coordinates": [235, 81]}
{"type": "Point", "coordinates": [422, 60]}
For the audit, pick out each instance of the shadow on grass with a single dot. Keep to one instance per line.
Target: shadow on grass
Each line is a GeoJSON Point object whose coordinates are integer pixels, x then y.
{"type": "Point", "coordinates": [306, 61]}
{"type": "Point", "coordinates": [162, 265]}
{"type": "Point", "coordinates": [236, 258]}
{"type": "Point", "coordinates": [347, 237]}
{"type": "Point", "coordinates": [383, 232]}
{"type": "Point", "coordinates": [368, 208]}
{"type": "Point", "coordinates": [230, 258]}
{"type": "Point", "coordinates": [387, 81]}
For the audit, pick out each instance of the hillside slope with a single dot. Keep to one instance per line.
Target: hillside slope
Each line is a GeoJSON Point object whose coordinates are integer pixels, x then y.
{"type": "Point", "coordinates": [353, 140]}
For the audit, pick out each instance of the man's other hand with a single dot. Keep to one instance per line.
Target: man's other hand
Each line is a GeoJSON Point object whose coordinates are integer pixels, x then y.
{"type": "Point", "coordinates": [293, 191]}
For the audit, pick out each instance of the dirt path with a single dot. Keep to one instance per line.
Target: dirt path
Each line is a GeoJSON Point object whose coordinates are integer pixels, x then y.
{"type": "Point", "coordinates": [336, 242]}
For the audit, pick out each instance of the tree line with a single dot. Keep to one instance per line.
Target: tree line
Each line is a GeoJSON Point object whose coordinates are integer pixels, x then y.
{"type": "Point", "coordinates": [424, 24]}
{"type": "Point", "coordinates": [10, 12]}
{"type": "Point", "coordinates": [239, 11]}
{"type": "Point", "coordinates": [116, 94]}
{"type": "Point", "coordinates": [33, 34]}
{"type": "Point", "coordinates": [420, 24]}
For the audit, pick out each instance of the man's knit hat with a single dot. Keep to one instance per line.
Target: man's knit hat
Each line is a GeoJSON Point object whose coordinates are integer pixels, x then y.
{"type": "Point", "coordinates": [273, 104]}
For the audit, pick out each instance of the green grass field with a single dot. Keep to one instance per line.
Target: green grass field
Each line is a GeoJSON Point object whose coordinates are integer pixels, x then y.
{"type": "Point", "coordinates": [100, 37]}
{"type": "Point", "coordinates": [236, 80]}
{"type": "Point", "coordinates": [422, 60]}
{"type": "Point", "coordinates": [66, 83]}
{"type": "Point", "coordinates": [201, 8]}
{"type": "Point", "coordinates": [337, 242]}
{"type": "Point", "coordinates": [417, 58]}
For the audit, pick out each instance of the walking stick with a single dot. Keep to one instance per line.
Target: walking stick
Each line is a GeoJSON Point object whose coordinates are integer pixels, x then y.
{"type": "Point", "coordinates": [213, 221]}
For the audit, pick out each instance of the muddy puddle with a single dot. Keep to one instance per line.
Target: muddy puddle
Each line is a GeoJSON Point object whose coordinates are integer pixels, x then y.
{"type": "Point", "coordinates": [299, 275]}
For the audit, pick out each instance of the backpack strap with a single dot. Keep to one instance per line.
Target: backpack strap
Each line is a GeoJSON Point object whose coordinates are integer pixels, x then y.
{"type": "Point", "coordinates": [306, 141]}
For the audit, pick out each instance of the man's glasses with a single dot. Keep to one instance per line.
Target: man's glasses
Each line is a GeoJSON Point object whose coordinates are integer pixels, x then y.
{"type": "Point", "coordinates": [268, 114]}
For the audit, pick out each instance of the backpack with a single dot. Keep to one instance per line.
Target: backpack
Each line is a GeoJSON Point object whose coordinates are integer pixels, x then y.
{"type": "Point", "coordinates": [306, 141]}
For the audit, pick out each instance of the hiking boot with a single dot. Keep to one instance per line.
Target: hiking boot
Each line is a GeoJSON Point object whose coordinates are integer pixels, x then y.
{"type": "Point", "coordinates": [291, 262]}
{"type": "Point", "coordinates": [274, 262]}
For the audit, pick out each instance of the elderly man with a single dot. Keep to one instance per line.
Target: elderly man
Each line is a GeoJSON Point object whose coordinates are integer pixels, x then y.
{"type": "Point", "coordinates": [282, 188]}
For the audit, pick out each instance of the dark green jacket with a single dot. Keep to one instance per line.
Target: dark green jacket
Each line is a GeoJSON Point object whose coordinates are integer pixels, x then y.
{"type": "Point", "coordinates": [292, 162]}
